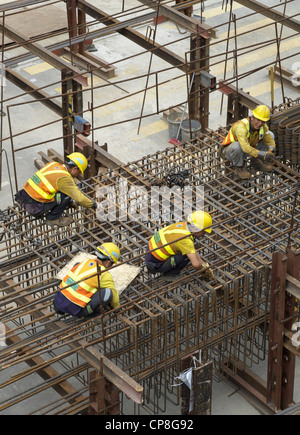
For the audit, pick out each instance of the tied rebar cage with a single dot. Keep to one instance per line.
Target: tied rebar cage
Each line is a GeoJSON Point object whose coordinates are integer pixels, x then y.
{"type": "Point", "coordinates": [158, 323]}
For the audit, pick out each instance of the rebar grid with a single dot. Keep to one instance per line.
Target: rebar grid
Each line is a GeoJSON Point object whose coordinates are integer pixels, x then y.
{"type": "Point", "coordinates": [157, 323]}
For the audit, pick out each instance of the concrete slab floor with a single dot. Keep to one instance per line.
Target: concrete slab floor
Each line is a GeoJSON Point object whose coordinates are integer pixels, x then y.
{"type": "Point", "coordinates": [123, 140]}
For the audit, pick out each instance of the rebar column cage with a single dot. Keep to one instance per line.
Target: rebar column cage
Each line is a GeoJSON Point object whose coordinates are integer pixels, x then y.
{"type": "Point", "coordinates": [158, 323]}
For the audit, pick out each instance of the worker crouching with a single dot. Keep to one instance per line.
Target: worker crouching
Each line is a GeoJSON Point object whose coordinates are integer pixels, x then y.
{"type": "Point", "coordinates": [173, 247]}
{"type": "Point", "coordinates": [250, 137]}
{"type": "Point", "coordinates": [82, 299]}
{"type": "Point", "coordinates": [52, 190]}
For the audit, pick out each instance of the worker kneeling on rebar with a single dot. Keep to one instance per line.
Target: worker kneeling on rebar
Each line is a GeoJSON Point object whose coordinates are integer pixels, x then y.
{"type": "Point", "coordinates": [52, 189]}
{"type": "Point", "coordinates": [172, 248]}
{"type": "Point", "coordinates": [250, 137]}
{"type": "Point", "coordinates": [90, 293]}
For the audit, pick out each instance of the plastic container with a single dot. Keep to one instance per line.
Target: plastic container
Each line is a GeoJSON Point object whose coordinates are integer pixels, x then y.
{"type": "Point", "coordinates": [185, 129]}
{"type": "Point", "coordinates": [174, 120]}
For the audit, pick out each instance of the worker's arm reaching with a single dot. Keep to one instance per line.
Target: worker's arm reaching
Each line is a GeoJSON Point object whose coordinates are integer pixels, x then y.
{"type": "Point", "coordinates": [108, 282]}
{"type": "Point", "coordinates": [187, 247]}
{"type": "Point", "coordinates": [67, 186]}
{"type": "Point", "coordinates": [201, 265]}
{"type": "Point", "coordinates": [196, 261]}
{"type": "Point", "coordinates": [268, 139]}
{"type": "Point", "coordinates": [270, 144]}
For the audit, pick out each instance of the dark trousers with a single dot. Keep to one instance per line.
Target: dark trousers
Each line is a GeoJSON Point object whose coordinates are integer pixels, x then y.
{"type": "Point", "coordinates": [52, 210]}
{"type": "Point", "coordinates": [63, 305]}
{"type": "Point", "coordinates": [59, 205]}
{"type": "Point", "coordinates": [172, 266]}
{"type": "Point", "coordinates": [93, 307]}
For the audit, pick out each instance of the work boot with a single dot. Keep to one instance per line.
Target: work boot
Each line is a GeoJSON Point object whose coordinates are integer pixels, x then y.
{"type": "Point", "coordinates": [242, 172]}
{"type": "Point", "coordinates": [258, 165]}
{"type": "Point", "coordinates": [170, 278]}
{"type": "Point", "coordinates": [60, 222]}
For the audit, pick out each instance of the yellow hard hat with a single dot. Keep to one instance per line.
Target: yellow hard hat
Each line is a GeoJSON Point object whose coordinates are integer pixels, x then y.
{"type": "Point", "coordinates": [262, 113]}
{"type": "Point", "coordinates": [200, 220]}
{"type": "Point", "coordinates": [110, 250]}
{"type": "Point", "coordinates": [79, 160]}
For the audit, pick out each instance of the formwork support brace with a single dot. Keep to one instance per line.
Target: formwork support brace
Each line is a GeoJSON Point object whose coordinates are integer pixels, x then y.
{"type": "Point", "coordinates": [104, 396]}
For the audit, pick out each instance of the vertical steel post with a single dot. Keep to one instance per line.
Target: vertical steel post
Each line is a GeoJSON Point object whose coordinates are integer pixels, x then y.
{"type": "Point", "coordinates": [289, 358]}
{"type": "Point", "coordinates": [276, 329]}
{"type": "Point", "coordinates": [82, 29]}
{"type": "Point", "coordinates": [2, 78]}
{"type": "Point", "coordinates": [67, 111]}
{"type": "Point", "coordinates": [104, 396]}
{"type": "Point", "coordinates": [199, 96]}
{"type": "Point", "coordinates": [72, 23]}
{"type": "Point", "coordinates": [188, 10]}
{"type": "Point", "coordinates": [281, 363]}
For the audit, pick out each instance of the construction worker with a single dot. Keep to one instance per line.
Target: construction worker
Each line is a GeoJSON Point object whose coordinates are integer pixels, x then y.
{"type": "Point", "coordinates": [83, 299]}
{"type": "Point", "coordinates": [179, 237]}
{"type": "Point", "coordinates": [250, 137]}
{"type": "Point", "coordinates": [52, 189]}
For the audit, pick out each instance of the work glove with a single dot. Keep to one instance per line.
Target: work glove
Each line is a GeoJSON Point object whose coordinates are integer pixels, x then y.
{"type": "Point", "coordinates": [266, 156]}
{"type": "Point", "coordinates": [207, 273]}
{"type": "Point", "coordinates": [73, 204]}
{"type": "Point", "coordinates": [95, 205]}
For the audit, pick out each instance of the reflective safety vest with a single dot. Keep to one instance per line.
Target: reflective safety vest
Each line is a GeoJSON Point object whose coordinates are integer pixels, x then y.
{"type": "Point", "coordinates": [81, 293]}
{"type": "Point", "coordinates": [230, 138]}
{"type": "Point", "coordinates": [169, 234]}
{"type": "Point", "coordinates": [43, 185]}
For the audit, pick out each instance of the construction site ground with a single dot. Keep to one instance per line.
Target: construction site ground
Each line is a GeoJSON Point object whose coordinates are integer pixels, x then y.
{"type": "Point", "coordinates": [126, 144]}
{"type": "Point", "coordinates": [123, 141]}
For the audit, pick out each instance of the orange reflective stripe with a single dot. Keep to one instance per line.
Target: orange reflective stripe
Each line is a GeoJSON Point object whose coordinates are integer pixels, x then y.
{"type": "Point", "coordinates": [42, 186]}
{"type": "Point", "coordinates": [166, 236]}
{"type": "Point", "coordinates": [80, 293]}
{"type": "Point", "coordinates": [230, 138]}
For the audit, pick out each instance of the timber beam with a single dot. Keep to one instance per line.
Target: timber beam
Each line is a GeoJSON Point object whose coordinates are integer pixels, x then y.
{"type": "Point", "coordinates": [271, 13]}
{"type": "Point", "coordinates": [190, 24]}
{"type": "Point", "coordinates": [133, 35]}
{"type": "Point", "coordinates": [244, 98]}
{"type": "Point", "coordinates": [43, 53]}
{"type": "Point", "coordinates": [33, 90]}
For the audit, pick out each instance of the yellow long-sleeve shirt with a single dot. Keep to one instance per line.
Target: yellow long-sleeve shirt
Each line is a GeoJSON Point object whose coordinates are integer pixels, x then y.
{"type": "Point", "coordinates": [67, 186]}
{"type": "Point", "coordinates": [106, 281]}
{"type": "Point", "coordinates": [85, 271]}
{"type": "Point", "coordinates": [248, 145]}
